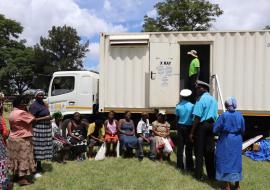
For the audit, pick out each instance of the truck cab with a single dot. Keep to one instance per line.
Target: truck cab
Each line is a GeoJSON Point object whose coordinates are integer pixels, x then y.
{"type": "Point", "coordinates": [73, 91]}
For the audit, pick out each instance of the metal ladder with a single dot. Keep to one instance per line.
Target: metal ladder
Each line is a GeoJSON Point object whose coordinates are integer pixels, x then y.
{"type": "Point", "coordinates": [216, 90]}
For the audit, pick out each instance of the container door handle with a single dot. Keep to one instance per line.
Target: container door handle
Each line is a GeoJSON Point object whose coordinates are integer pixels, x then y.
{"type": "Point", "coordinates": [151, 75]}
{"type": "Point", "coordinates": [71, 103]}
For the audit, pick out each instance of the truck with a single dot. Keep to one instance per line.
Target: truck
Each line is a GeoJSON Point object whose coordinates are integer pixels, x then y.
{"type": "Point", "coordinates": [144, 72]}
{"type": "Point", "coordinates": [141, 72]}
{"type": "Point", "coordinates": [73, 91]}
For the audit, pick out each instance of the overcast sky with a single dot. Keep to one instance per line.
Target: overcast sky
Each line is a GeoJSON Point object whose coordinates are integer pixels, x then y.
{"type": "Point", "coordinates": [90, 17]}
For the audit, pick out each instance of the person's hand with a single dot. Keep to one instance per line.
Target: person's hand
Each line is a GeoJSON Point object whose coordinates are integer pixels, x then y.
{"type": "Point", "coordinates": [101, 140]}
{"type": "Point", "coordinates": [147, 140]}
{"type": "Point", "coordinates": [191, 137]}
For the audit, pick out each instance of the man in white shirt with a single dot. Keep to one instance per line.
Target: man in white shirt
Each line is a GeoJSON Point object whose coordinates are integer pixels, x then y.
{"type": "Point", "coordinates": [144, 132]}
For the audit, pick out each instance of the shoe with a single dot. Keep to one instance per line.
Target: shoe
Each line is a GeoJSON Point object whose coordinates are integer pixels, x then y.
{"type": "Point", "coordinates": [37, 175]}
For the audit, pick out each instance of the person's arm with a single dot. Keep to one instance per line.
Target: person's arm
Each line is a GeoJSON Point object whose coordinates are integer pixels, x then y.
{"type": "Point", "coordinates": [117, 129]}
{"type": "Point", "coordinates": [196, 123]}
{"type": "Point", "coordinates": [95, 138]}
{"type": "Point", "coordinates": [5, 129]}
{"type": "Point", "coordinates": [168, 130]}
{"type": "Point", "coordinates": [70, 131]}
{"type": "Point", "coordinates": [198, 73]}
{"type": "Point", "coordinates": [154, 129]}
{"type": "Point", "coordinates": [45, 118]}
{"type": "Point", "coordinates": [218, 125]}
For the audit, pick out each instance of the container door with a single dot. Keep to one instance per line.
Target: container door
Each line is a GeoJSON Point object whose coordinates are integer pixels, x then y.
{"type": "Point", "coordinates": [164, 74]}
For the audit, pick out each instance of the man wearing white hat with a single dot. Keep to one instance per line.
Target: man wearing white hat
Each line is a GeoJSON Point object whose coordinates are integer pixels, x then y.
{"type": "Point", "coordinates": [205, 114]}
{"type": "Point", "coordinates": [184, 122]}
{"type": "Point", "coordinates": [194, 71]}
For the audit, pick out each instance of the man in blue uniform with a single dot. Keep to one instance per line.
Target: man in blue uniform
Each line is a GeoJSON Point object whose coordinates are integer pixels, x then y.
{"type": "Point", "coordinates": [205, 113]}
{"type": "Point", "coordinates": [183, 113]}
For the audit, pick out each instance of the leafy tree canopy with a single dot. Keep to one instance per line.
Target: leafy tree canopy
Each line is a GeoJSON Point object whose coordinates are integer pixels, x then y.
{"type": "Point", "coordinates": [182, 15]}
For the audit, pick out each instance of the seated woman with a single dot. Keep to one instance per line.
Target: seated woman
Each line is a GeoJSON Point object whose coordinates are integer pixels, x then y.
{"type": "Point", "coordinates": [60, 144]}
{"type": "Point", "coordinates": [111, 134]}
{"type": "Point", "coordinates": [128, 140]}
{"type": "Point", "coordinates": [77, 136]}
{"type": "Point", "coordinates": [95, 136]}
{"type": "Point", "coordinates": [161, 130]}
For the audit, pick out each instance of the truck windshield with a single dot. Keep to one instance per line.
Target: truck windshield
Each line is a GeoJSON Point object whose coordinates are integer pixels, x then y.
{"type": "Point", "coordinates": [62, 85]}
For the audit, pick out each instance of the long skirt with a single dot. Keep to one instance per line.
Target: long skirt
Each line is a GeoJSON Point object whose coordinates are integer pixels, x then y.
{"type": "Point", "coordinates": [21, 159]}
{"type": "Point", "coordinates": [128, 142]}
{"type": "Point", "coordinates": [3, 166]}
{"type": "Point", "coordinates": [42, 141]}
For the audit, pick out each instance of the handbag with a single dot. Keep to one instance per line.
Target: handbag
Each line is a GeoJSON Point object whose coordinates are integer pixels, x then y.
{"type": "Point", "coordinates": [167, 146]}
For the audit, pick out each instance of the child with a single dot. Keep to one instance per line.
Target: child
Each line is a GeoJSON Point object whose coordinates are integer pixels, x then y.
{"type": "Point", "coordinates": [230, 128]}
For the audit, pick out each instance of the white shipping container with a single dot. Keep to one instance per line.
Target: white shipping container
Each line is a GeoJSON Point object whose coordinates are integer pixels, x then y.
{"type": "Point", "coordinates": [143, 71]}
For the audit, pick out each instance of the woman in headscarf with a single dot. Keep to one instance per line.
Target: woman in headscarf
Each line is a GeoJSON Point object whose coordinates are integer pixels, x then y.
{"type": "Point", "coordinates": [20, 147]}
{"type": "Point", "coordinates": [42, 131]}
{"type": "Point", "coordinates": [161, 130]}
{"type": "Point", "coordinates": [230, 128]}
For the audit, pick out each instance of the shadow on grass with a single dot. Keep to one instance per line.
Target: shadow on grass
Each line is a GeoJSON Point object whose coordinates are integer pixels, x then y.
{"type": "Point", "coordinates": [214, 184]}
{"type": "Point", "coordinates": [47, 167]}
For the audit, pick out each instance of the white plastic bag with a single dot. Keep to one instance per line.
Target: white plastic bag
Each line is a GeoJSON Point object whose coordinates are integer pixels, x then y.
{"type": "Point", "coordinates": [118, 149]}
{"type": "Point", "coordinates": [167, 146]}
{"type": "Point", "coordinates": [101, 152]}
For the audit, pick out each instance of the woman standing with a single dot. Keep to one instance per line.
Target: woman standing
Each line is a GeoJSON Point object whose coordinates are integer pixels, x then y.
{"type": "Point", "coordinates": [161, 129]}
{"type": "Point", "coordinates": [42, 131]}
{"type": "Point", "coordinates": [230, 128]}
{"type": "Point", "coordinates": [20, 148]}
{"type": "Point", "coordinates": [111, 134]}
{"type": "Point", "coordinates": [128, 140]}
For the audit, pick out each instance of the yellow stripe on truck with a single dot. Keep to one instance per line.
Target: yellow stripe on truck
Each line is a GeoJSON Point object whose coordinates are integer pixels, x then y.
{"type": "Point", "coordinates": [79, 107]}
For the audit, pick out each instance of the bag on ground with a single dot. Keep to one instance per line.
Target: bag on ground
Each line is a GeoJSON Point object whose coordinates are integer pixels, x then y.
{"type": "Point", "coordinates": [101, 152]}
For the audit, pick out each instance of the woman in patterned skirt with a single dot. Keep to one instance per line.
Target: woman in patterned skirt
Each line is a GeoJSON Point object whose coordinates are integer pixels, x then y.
{"type": "Point", "coordinates": [42, 131]}
{"type": "Point", "coordinates": [20, 148]}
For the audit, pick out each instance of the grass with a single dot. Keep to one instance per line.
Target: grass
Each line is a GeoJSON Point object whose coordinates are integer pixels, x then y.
{"type": "Point", "coordinates": [122, 174]}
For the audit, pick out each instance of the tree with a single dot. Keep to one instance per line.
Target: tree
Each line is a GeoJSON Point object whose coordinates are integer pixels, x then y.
{"type": "Point", "coordinates": [61, 50]}
{"type": "Point", "coordinates": [15, 59]}
{"type": "Point", "coordinates": [267, 27]}
{"type": "Point", "coordinates": [182, 15]}
{"type": "Point", "coordinates": [9, 34]}
{"type": "Point", "coordinates": [19, 71]}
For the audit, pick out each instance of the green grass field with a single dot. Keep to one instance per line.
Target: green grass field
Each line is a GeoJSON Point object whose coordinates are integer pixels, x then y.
{"type": "Point", "coordinates": [122, 174]}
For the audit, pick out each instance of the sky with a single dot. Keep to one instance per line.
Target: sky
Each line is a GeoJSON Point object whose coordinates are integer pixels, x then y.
{"type": "Point", "coordinates": [90, 17]}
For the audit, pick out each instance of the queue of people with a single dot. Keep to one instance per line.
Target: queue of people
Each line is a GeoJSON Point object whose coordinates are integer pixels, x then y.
{"type": "Point", "coordinates": [36, 136]}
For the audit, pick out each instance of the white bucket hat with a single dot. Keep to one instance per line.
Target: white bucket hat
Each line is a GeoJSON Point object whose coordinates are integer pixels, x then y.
{"type": "Point", "coordinates": [162, 112]}
{"type": "Point", "coordinates": [185, 93]}
{"type": "Point", "coordinates": [193, 53]}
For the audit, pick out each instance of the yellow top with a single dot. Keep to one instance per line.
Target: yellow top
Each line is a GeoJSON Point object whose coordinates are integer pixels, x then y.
{"type": "Point", "coordinates": [91, 130]}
